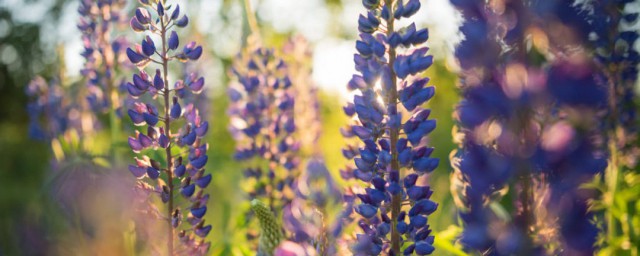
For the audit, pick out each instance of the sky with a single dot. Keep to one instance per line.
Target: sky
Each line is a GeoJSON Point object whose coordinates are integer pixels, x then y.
{"type": "Point", "coordinates": [333, 56]}
{"type": "Point", "coordinates": [321, 24]}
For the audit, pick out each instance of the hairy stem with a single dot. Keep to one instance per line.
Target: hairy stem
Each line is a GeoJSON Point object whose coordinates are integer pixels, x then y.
{"type": "Point", "coordinates": [394, 134]}
{"type": "Point", "coordinates": [167, 127]}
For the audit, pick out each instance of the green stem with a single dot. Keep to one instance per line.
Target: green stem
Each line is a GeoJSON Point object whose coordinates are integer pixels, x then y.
{"type": "Point", "coordinates": [167, 127]}
{"type": "Point", "coordinates": [612, 172]}
{"type": "Point", "coordinates": [112, 94]}
{"type": "Point", "coordinates": [250, 27]}
{"type": "Point", "coordinates": [612, 180]}
{"type": "Point", "coordinates": [114, 122]}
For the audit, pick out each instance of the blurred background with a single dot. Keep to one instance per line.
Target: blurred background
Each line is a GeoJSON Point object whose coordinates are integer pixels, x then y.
{"type": "Point", "coordinates": [40, 37]}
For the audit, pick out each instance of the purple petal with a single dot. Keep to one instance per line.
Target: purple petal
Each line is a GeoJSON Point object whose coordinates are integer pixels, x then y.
{"type": "Point", "coordinates": [163, 141]}
{"type": "Point", "coordinates": [199, 162]}
{"type": "Point", "coordinates": [158, 82]}
{"type": "Point", "coordinates": [202, 129]}
{"type": "Point", "coordinates": [145, 141]}
{"type": "Point", "coordinates": [174, 41]}
{"type": "Point", "coordinates": [143, 15]}
{"type": "Point", "coordinates": [196, 86]}
{"type": "Point", "coordinates": [188, 190]}
{"type": "Point", "coordinates": [190, 138]}
{"type": "Point", "coordinates": [204, 181]}
{"type": "Point", "coordinates": [153, 173]}
{"type": "Point", "coordinates": [175, 13]}
{"type": "Point", "coordinates": [135, 145]}
{"type": "Point", "coordinates": [136, 117]}
{"type": "Point", "coordinates": [180, 170]}
{"type": "Point", "coordinates": [199, 212]}
{"type": "Point", "coordinates": [134, 57]}
{"type": "Point", "coordinates": [137, 171]}
{"type": "Point", "coordinates": [182, 22]}
{"type": "Point", "coordinates": [204, 231]}
{"type": "Point", "coordinates": [136, 25]}
{"type": "Point", "coordinates": [148, 47]}
{"type": "Point", "coordinates": [195, 53]}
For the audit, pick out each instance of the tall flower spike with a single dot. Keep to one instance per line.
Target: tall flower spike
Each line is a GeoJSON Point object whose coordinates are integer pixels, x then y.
{"type": "Point", "coordinates": [262, 122]}
{"type": "Point", "coordinates": [297, 52]}
{"type": "Point", "coordinates": [617, 56]}
{"type": "Point", "coordinates": [103, 54]}
{"type": "Point", "coordinates": [519, 129]}
{"type": "Point", "coordinates": [49, 103]}
{"type": "Point", "coordinates": [307, 220]}
{"type": "Point", "coordinates": [179, 178]}
{"type": "Point", "coordinates": [393, 154]}
{"type": "Point", "coordinates": [270, 229]}
{"type": "Point", "coordinates": [104, 60]}
{"type": "Point", "coordinates": [56, 113]}
{"type": "Point", "coordinates": [612, 39]}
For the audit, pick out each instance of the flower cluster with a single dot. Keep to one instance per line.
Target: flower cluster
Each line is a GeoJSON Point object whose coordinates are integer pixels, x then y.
{"type": "Point", "coordinates": [66, 108]}
{"type": "Point", "coordinates": [612, 39]}
{"type": "Point", "coordinates": [262, 122]}
{"type": "Point", "coordinates": [393, 155]}
{"type": "Point", "coordinates": [520, 128]}
{"type": "Point", "coordinates": [49, 101]}
{"type": "Point", "coordinates": [615, 53]}
{"type": "Point", "coordinates": [103, 55]}
{"type": "Point", "coordinates": [309, 224]}
{"type": "Point", "coordinates": [182, 169]}
{"type": "Point", "coordinates": [297, 53]}
{"type": "Point", "coordinates": [57, 116]}
{"type": "Point", "coordinates": [482, 172]}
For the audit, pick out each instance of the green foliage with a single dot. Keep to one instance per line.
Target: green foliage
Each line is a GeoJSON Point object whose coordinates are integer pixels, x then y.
{"type": "Point", "coordinates": [620, 235]}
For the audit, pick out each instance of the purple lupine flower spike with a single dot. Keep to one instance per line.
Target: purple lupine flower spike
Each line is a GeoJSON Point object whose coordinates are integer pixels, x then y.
{"type": "Point", "coordinates": [62, 110]}
{"type": "Point", "coordinates": [617, 56]}
{"type": "Point", "coordinates": [516, 121]}
{"type": "Point", "coordinates": [306, 218]}
{"type": "Point", "coordinates": [182, 173]}
{"type": "Point", "coordinates": [392, 58]}
{"type": "Point", "coordinates": [614, 52]}
{"type": "Point", "coordinates": [98, 20]}
{"type": "Point", "coordinates": [50, 110]}
{"type": "Point", "coordinates": [259, 123]}
{"type": "Point", "coordinates": [298, 53]}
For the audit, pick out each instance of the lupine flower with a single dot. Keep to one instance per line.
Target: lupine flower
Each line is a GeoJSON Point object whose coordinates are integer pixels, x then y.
{"type": "Point", "coordinates": [612, 40]}
{"type": "Point", "coordinates": [66, 108]}
{"type": "Point", "coordinates": [617, 56]}
{"type": "Point", "coordinates": [518, 127]}
{"type": "Point", "coordinates": [297, 52]}
{"type": "Point", "coordinates": [392, 155]}
{"type": "Point", "coordinates": [56, 114]}
{"type": "Point", "coordinates": [307, 222]}
{"type": "Point", "coordinates": [177, 176]}
{"type": "Point", "coordinates": [103, 55]}
{"type": "Point", "coordinates": [306, 219]}
{"type": "Point", "coordinates": [49, 101]}
{"type": "Point", "coordinates": [262, 122]}
{"type": "Point", "coordinates": [482, 171]}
